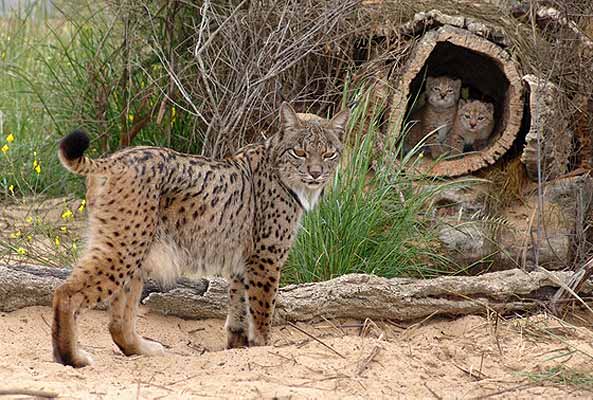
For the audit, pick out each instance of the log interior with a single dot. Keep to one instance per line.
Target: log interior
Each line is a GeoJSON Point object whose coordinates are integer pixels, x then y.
{"type": "Point", "coordinates": [479, 73]}
{"type": "Point", "coordinates": [485, 68]}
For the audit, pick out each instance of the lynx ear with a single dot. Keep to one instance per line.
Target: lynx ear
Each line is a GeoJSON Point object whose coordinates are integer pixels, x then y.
{"type": "Point", "coordinates": [457, 83]}
{"type": "Point", "coordinates": [288, 117]}
{"type": "Point", "coordinates": [339, 121]}
{"type": "Point", "coordinates": [490, 107]}
{"type": "Point", "coordinates": [462, 102]}
{"type": "Point", "coordinates": [429, 80]}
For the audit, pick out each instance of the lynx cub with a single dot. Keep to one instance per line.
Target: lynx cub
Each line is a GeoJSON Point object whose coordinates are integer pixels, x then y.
{"type": "Point", "coordinates": [442, 94]}
{"type": "Point", "coordinates": [473, 125]}
{"type": "Point", "coordinates": [157, 212]}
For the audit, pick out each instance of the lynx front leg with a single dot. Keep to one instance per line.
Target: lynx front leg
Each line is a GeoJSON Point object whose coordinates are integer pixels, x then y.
{"type": "Point", "coordinates": [236, 321]}
{"type": "Point", "coordinates": [263, 275]}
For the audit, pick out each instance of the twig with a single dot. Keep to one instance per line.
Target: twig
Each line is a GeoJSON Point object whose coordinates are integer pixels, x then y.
{"type": "Point", "coordinates": [477, 375]}
{"type": "Point", "coordinates": [365, 363]}
{"type": "Point", "coordinates": [511, 389]}
{"type": "Point", "coordinates": [282, 357]}
{"type": "Point", "coordinates": [436, 396]}
{"type": "Point", "coordinates": [45, 321]}
{"type": "Point", "coordinates": [28, 392]}
{"type": "Point", "coordinates": [316, 339]}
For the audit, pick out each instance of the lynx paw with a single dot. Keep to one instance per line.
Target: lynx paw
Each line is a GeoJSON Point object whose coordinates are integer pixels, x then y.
{"type": "Point", "coordinates": [150, 348]}
{"type": "Point", "coordinates": [236, 339]}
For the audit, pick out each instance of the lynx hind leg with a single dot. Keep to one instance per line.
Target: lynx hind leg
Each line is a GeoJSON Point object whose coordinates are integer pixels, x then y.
{"type": "Point", "coordinates": [119, 238]}
{"type": "Point", "coordinates": [123, 313]}
{"type": "Point", "coordinates": [88, 285]}
{"type": "Point", "coordinates": [236, 321]}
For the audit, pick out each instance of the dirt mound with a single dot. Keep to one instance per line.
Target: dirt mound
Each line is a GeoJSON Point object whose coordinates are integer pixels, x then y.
{"type": "Point", "coordinates": [464, 358]}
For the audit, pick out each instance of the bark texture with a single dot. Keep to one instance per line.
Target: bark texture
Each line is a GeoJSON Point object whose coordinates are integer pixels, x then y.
{"type": "Point", "coordinates": [351, 296]}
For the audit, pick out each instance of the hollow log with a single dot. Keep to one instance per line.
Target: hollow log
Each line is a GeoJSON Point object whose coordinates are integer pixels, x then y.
{"type": "Point", "coordinates": [351, 296]}
{"type": "Point", "coordinates": [484, 67]}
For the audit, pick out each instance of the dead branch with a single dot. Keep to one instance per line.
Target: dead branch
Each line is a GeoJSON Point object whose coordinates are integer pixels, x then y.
{"type": "Point", "coordinates": [28, 392]}
{"type": "Point", "coordinates": [351, 296]}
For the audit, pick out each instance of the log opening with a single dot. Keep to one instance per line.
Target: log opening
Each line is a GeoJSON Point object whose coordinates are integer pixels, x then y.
{"type": "Point", "coordinates": [482, 78]}
{"type": "Point", "coordinates": [487, 72]}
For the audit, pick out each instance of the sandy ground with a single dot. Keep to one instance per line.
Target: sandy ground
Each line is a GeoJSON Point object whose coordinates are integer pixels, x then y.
{"type": "Point", "coordinates": [467, 358]}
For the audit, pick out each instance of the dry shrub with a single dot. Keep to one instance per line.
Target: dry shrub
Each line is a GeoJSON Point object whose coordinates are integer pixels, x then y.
{"type": "Point", "coordinates": [230, 64]}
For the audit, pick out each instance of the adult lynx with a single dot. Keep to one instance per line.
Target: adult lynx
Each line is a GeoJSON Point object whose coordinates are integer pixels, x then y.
{"type": "Point", "coordinates": [157, 212]}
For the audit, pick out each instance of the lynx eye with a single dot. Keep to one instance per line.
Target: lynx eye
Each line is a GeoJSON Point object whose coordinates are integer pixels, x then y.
{"type": "Point", "coordinates": [330, 155]}
{"type": "Point", "coordinates": [467, 116]}
{"type": "Point", "coordinates": [480, 118]}
{"type": "Point", "coordinates": [297, 153]}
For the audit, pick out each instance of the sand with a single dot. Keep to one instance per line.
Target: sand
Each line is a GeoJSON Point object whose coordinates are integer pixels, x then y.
{"type": "Point", "coordinates": [466, 358]}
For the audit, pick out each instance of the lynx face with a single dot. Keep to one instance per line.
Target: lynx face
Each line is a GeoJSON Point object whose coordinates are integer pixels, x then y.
{"type": "Point", "coordinates": [474, 115]}
{"type": "Point", "coordinates": [310, 149]}
{"type": "Point", "coordinates": [443, 92]}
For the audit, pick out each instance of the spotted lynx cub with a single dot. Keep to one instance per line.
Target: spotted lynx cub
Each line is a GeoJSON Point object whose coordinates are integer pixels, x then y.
{"type": "Point", "coordinates": [156, 212]}
{"type": "Point", "coordinates": [442, 94]}
{"type": "Point", "coordinates": [473, 125]}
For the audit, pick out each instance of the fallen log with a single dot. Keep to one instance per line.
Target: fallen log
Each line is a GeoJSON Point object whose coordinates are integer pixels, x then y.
{"type": "Point", "coordinates": [350, 296]}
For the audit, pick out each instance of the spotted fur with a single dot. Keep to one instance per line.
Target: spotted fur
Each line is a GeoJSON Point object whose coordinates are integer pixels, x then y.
{"type": "Point", "coordinates": [156, 212]}
{"type": "Point", "coordinates": [435, 118]}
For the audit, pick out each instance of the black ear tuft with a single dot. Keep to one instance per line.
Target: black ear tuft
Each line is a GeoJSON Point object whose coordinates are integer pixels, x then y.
{"type": "Point", "coordinates": [74, 145]}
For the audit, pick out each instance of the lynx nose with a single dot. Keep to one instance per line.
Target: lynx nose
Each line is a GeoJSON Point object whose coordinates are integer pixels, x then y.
{"type": "Point", "coordinates": [315, 172]}
{"type": "Point", "coordinates": [473, 124]}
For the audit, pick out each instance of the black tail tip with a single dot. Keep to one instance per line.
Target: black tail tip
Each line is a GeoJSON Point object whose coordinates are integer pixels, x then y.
{"type": "Point", "coordinates": [74, 145]}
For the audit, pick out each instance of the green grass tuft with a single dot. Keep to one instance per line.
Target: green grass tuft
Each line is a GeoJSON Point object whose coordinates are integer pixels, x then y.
{"type": "Point", "coordinates": [377, 223]}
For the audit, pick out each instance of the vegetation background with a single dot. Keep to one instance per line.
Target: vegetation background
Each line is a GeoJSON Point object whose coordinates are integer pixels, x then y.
{"type": "Point", "coordinates": [203, 79]}
{"type": "Point", "coordinates": [207, 77]}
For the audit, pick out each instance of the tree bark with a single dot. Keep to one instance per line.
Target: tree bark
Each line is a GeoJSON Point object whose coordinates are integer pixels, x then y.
{"type": "Point", "coordinates": [484, 65]}
{"type": "Point", "coordinates": [351, 296]}
{"type": "Point", "coordinates": [548, 143]}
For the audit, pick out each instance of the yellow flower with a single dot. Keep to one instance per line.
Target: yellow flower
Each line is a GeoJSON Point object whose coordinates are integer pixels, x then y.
{"type": "Point", "coordinates": [57, 241]}
{"type": "Point", "coordinates": [173, 115]}
{"type": "Point", "coordinates": [15, 235]}
{"type": "Point", "coordinates": [29, 220]}
{"type": "Point", "coordinates": [5, 148]}
{"type": "Point", "coordinates": [21, 251]}
{"type": "Point", "coordinates": [63, 229]}
{"type": "Point", "coordinates": [35, 163]}
{"type": "Point", "coordinates": [131, 117]}
{"type": "Point", "coordinates": [67, 214]}
{"type": "Point", "coordinates": [11, 189]}
{"type": "Point", "coordinates": [29, 238]}
{"type": "Point", "coordinates": [82, 205]}
{"type": "Point", "coordinates": [10, 138]}
{"type": "Point", "coordinates": [38, 169]}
